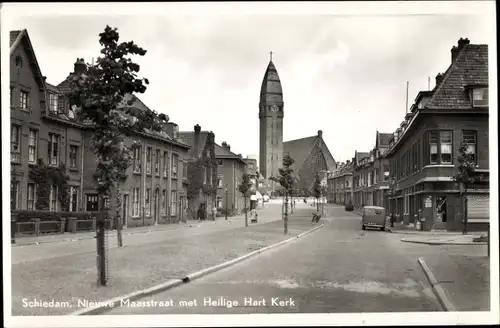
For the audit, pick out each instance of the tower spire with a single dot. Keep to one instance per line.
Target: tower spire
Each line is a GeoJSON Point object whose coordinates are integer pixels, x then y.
{"type": "Point", "coordinates": [271, 55]}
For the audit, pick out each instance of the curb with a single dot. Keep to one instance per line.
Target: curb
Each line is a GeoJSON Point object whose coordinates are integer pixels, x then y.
{"type": "Point", "coordinates": [472, 243]}
{"type": "Point", "coordinates": [436, 287]}
{"type": "Point", "coordinates": [109, 304]}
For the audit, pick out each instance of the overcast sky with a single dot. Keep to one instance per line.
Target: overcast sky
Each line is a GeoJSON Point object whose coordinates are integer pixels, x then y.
{"type": "Point", "coordinates": [343, 74]}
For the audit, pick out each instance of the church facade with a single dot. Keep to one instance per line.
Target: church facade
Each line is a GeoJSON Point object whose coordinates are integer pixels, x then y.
{"type": "Point", "coordinates": [311, 155]}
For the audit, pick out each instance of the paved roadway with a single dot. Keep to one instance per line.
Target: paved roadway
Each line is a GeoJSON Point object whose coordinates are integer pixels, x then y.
{"type": "Point", "coordinates": [339, 268]}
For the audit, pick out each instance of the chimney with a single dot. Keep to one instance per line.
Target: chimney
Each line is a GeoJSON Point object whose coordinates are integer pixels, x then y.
{"type": "Point", "coordinates": [456, 50]}
{"type": "Point", "coordinates": [80, 66]}
{"type": "Point", "coordinates": [439, 78]}
{"type": "Point", "coordinates": [226, 146]}
{"type": "Point", "coordinates": [320, 134]}
{"type": "Point", "coordinates": [196, 145]}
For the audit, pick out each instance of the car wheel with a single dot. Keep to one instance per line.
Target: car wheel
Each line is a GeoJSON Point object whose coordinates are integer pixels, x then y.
{"type": "Point", "coordinates": [363, 227]}
{"type": "Point", "coordinates": [382, 229]}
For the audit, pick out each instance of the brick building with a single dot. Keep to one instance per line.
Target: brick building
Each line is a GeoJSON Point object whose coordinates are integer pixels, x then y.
{"type": "Point", "coordinates": [44, 127]}
{"type": "Point", "coordinates": [230, 170]}
{"type": "Point", "coordinates": [202, 171]}
{"type": "Point", "coordinates": [340, 187]}
{"type": "Point", "coordinates": [423, 152]}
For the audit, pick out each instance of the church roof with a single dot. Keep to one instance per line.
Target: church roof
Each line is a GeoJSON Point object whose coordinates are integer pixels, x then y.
{"type": "Point", "coordinates": [271, 84]}
{"type": "Point", "coordinates": [300, 149]}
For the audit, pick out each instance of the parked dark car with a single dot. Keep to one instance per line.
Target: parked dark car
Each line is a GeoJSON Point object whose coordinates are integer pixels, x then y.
{"type": "Point", "coordinates": [349, 207]}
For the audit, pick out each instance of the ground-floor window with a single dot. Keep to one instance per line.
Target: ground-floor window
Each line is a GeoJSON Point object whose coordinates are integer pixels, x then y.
{"type": "Point", "coordinates": [219, 202]}
{"type": "Point", "coordinates": [31, 197]}
{"type": "Point", "coordinates": [92, 202]}
{"type": "Point", "coordinates": [173, 203]}
{"type": "Point", "coordinates": [14, 195]}
{"type": "Point", "coordinates": [73, 199]}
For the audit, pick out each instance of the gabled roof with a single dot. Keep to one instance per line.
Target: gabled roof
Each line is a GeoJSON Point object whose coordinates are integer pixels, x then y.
{"type": "Point", "coordinates": [221, 152]}
{"type": "Point", "coordinates": [469, 68]}
{"type": "Point", "coordinates": [300, 149]}
{"type": "Point", "coordinates": [16, 38]}
{"type": "Point", "coordinates": [383, 139]}
{"type": "Point", "coordinates": [188, 138]}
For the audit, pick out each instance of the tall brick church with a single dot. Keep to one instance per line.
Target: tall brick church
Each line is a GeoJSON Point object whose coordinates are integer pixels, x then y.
{"type": "Point", "coordinates": [311, 154]}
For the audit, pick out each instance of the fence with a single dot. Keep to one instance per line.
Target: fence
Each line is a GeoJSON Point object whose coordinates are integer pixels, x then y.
{"type": "Point", "coordinates": [38, 223]}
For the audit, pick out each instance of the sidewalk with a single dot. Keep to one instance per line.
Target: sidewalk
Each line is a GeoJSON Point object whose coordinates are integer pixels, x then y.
{"type": "Point", "coordinates": [72, 277]}
{"type": "Point", "coordinates": [69, 237]}
{"type": "Point", "coordinates": [464, 279]}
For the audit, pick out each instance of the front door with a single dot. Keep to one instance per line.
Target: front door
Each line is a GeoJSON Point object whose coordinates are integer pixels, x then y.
{"type": "Point", "coordinates": [125, 211]}
{"type": "Point", "coordinates": [440, 213]}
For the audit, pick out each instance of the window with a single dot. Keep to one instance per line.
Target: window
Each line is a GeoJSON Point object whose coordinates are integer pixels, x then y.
{"type": "Point", "coordinates": [92, 203]}
{"type": "Point", "coordinates": [173, 210]}
{"type": "Point", "coordinates": [204, 173]}
{"type": "Point", "coordinates": [219, 162]}
{"type": "Point", "coordinates": [30, 206]}
{"type": "Point", "coordinates": [165, 164]}
{"type": "Point", "coordinates": [73, 199]}
{"type": "Point", "coordinates": [53, 149]}
{"type": "Point", "coordinates": [148, 202]}
{"type": "Point", "coordinates": [209, 176]}
{"type": "Point", "coordinates": [73, 156]}
{"type": "Point", "coordinates": [137, 160]}
{"type": "Point", "coordinates": [433, 146]}
{"type": "Point", "coordinates": [15, 143]}
{"type": "Point", "coordinates": [32, 143]}
{"type": "Point", "coordinates": [24, 100]}
{"type": "Point", "coordinates": [53, 198]}
{"type": "Point", "coordinates": [175, 160]}
{"type": "Point", "coordinates": [53, 104]}
{"type": "Point", "coordinates": [184, 170]}
{"type": "Point", "coordinates": [219, 202]}
{"type": "Point", "coordinates": [135, 202]}
{"type": "Point", "coordinates": [219, 181]}
{"type": "Point", "coordinates": [164, 202]}
{"type": "Point", "coordinates": [11, 96]}
{"type": "Point", "coordinates": [480, 97]}
{"type": "Point", "coordinates": [386, 172]}
{"type": "Point", "coordinates": [149, 153]}
{"type": "Point", "coordinates": [446, 147]}
{"type": "Point", "coordinates": [14, 195]}
{"type": "Point", "coordinates": [157, 162]}
{"type": "Point", "coordinates": [71, 111]}
{"type": "Point", "coordinates": [469, 137]}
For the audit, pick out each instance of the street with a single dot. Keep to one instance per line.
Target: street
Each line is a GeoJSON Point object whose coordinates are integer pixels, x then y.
{"type": "Point", "coordinates": [339, 268]}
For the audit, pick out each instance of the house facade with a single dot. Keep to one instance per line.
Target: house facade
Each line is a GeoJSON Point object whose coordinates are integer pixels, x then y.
{"type": "Point", "coordinates": [423, 151]}
{"type": "Point", "coordinates": [38, 137]}
{"type": "Point", "coordinates": [202, 171]}
{"type": "Point", "coordinates": [340, 187]}
{"type": "Point", "coordinates": [44, 127]}
{"type": "Point", "coordinates": [230, 170]}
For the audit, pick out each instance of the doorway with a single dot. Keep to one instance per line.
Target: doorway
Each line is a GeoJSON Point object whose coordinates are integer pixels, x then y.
{"type": "Point", "coordinates": [440, 213]}
{"type": "Point", "coordinates": [125, 211]}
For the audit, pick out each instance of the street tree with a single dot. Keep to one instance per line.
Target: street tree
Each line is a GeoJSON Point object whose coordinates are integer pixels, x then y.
{"type": "Point", "coordinates": [317, 189]}
{"type": "Point", "coordinates": [245, 187]}
{"type": "Point", "coordinates": [98, 95]}
{"type": "Point", "coordinates": [286, 179]}
{"type": "Point", "coordinates": [466, 177]}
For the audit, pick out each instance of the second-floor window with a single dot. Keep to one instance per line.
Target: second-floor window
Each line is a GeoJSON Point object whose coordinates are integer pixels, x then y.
{"type": "Point", "coordinates": [15, 143]}
{"type": "Point", "coordinates": [24, 99]}
{"type": "Point", "coordinates": [440, 147]}
{"type": "Point", "coordinates": [157, 162]}
{"type": "Point", "coordinates": [184, 170]}
{"type": "Point", "coordinates": [73, 156]}
{"type": "Point", "coordinates": [149, 163]}
{"type": "Point", "coordinates": [32, 146]}
{"type": "Point", "coordinates": [469, 137]}
{"type": "Point", "coordinates": [53, 104]}
{"type": "Point", "coordinates": [175, 162]}
{"type": "Point", "coordinates": [53, 149]}
{"type": "Point", "coordinates": [137, 160]}
{"type": "Point", "coordinates": [165, 164]}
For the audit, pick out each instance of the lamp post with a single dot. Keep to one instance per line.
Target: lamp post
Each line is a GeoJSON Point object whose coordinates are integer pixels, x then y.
{"type": "Point", "coordinates": [225, 203]}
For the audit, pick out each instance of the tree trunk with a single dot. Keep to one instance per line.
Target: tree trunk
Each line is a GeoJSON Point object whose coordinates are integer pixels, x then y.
{"type": "Point", "coordinates": [246, 212]}
{"type": "Point", "coordinates": [118, 216]}
{"type": "Point", "coordinates": [286, 213]}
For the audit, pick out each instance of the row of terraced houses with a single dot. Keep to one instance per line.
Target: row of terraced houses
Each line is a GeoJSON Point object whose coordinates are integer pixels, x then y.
{"type": "Point", "coordinates": [410, 171]}
{"type": "Point", "coordinates": [45, 132]}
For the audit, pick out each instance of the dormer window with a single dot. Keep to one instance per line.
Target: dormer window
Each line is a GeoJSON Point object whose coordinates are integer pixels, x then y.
{"type": "Point", "coordinates": [479, 97]}
{"type": "Point", "coordinates": [53, 104]}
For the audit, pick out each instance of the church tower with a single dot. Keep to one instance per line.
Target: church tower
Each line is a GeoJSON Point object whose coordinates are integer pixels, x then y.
{"type": "Point", "coordinates": [271, 124]}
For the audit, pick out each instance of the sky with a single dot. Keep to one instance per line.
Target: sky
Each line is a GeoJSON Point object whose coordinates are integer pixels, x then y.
{"type": "Point", "coordinates": [344, 74]}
